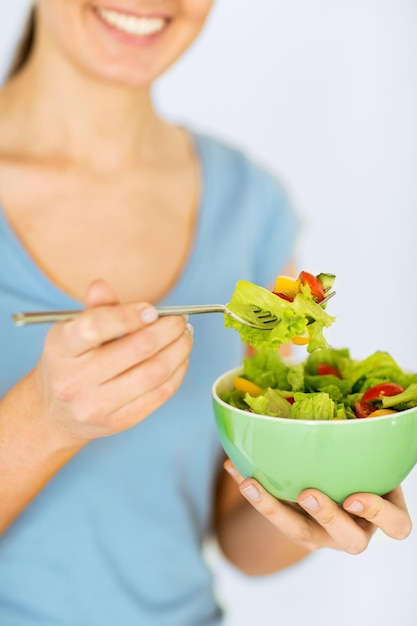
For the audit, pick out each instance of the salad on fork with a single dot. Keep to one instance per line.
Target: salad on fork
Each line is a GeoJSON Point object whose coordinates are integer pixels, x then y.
{"type": "Point", "coordinates": [298, 303]}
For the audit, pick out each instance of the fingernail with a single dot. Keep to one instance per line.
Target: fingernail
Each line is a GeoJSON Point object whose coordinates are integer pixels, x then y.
{"type": "Point", "coordinates": [230, 469]}
{"type": "Point", "coordinates": [309, 503]}
{"type": "Point", "coordinates": [251, 492]}
{"type": "Point", "coordinates": [190, 329]}
{"type": "Point", "coordinates": [149, 315]}
{"type": "Point", "coordinates": [355, 507]}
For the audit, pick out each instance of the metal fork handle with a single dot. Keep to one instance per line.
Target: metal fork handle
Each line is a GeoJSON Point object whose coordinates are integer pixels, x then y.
{"type": "Point", "coordinates": [191, 309]}
{"type": "Point", "coordinates": [45, 317]}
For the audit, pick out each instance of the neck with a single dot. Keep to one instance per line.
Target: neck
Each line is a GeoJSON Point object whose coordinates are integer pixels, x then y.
{"type": "Point", "coordinates": [66, 113]}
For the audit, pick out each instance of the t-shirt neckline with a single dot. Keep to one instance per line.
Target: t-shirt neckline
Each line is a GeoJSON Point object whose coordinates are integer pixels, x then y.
{"type": "Point", "coordinates": [48, 286]}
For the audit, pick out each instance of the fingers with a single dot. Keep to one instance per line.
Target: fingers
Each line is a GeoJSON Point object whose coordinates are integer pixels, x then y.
{"type": "Point", "coordinates": [148, 375]}
{"type": "Point", "coordinates": [100, 325]}
{"type": "Point", "coordinates": [100, 293]}
{"type": "Point", "coordinates": [389, 513]}
{"type": "Point", "coordinates": [345, 532]}
{"type": "Point", "coordinates": [286, 516]}
{"type": "Point", "coordinates": [92, 409]}
{"type": "Point", "coordinates": [113, 363]}
{"type": "Point", "coordinates": [139, 408]}
{"type": "Point", "coordinates": [113, 358]}
{"type": "Point", "coordinates": [348, 527]}
{"type": "Point", "coordinates": [102, 321]}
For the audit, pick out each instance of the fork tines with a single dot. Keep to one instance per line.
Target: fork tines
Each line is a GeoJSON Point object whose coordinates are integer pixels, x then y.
{"type": "Point", "coordinates": [265, 316]}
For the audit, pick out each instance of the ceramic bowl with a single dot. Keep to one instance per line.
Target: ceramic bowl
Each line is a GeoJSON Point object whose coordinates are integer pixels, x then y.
{"type": "Point", "coordinates": [337, 457]}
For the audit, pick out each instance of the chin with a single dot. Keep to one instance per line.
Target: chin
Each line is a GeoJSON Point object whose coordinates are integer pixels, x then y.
{"type": "Point", "coordinates": [122, 74]}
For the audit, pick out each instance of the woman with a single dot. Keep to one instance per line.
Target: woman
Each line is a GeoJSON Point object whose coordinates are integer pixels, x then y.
{"type": "Point", "coordinates": [109, 459]}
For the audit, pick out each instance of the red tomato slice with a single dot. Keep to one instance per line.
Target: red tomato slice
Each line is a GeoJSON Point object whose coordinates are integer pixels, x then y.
{"type": "Point", "coordinates": [383, 389]}
{"type": "Point", "coordinates": [284, 296]}
{"type": "Point", "coordinates": [323, 369]}
{"type": "Point", "coordinates": [363, 409]}
{"type": "Point", "coordinates": [315, 285]}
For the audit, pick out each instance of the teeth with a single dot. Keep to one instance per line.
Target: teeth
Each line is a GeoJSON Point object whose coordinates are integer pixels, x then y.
{"type": "Point", "coordinates": [131, 24]}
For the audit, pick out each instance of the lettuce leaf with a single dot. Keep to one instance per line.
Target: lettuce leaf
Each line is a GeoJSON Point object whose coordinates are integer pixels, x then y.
{"type": "Point", "coordinates": [294, 317]}
{"type": "Point", "coordinates": [270, 403]}
{"type": "Point", "coordinates": [336, 388]}
{"type": "Point", "coordinates": [313, 406]}
{"type": "Point", "coordinates": [267, 369]}
{"type": "Point", "coordinates": [338, 358]}
{"type": "Point", "coordinates": [405, 400]}
{"type": "Point", "coordinates": [377, 368]}
{"type": "Point", "coordinates": [235, 398]}
{"type": "Point", "coordinates": [321, 396]}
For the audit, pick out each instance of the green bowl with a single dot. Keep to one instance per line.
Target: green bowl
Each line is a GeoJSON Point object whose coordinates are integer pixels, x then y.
{"type": "Point", "coordinates": [337, 457]}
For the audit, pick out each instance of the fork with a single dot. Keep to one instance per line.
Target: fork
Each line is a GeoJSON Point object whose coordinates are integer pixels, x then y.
{"type": "Point", "coordinates": [264, 319]}
{"type": "Point", "coordinates": [260, 319]}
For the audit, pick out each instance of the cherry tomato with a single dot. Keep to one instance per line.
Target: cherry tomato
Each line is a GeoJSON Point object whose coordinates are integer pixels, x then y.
{"type": "Point", "coordinates": [315, 285]}
{"type": "Point", "coordinates": [363, 409]}
{"type": "Point", "coordinates": [324, 369]}
{"type": "Point", "coordinates": [383, 389]}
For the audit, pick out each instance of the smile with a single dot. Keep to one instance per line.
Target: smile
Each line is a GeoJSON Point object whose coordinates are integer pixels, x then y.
{"type": "Point", "coordinates": [131, 24]}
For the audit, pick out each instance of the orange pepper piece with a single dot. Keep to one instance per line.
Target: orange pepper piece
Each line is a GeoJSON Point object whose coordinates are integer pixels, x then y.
{"type": "Point", "coordinates": [300, 340]}
{"type": "Point", "coordinates": [287, 285]}
{"type": "Point", "coordinates": [247, 386]}
{"type": "Point", "coordinates": [379, 412]}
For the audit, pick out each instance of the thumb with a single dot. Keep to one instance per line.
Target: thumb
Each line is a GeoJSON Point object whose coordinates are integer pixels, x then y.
{"type": "Point", "coordinates": [100, 293]}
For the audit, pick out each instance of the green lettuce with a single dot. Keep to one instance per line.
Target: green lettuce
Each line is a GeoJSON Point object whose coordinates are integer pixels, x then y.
{"type": "Point", "coordinates": [405, 400]}
{"type": "Point", "coordinates": [377, 368]}
{"type": "Point", "coordinates": [338, 358]}
{"type": "Point", "coordinates": [235, 398]}
{"type": "Point", "coordinates": [270, 403]}
{"type": "Point", "coordinates": [312, 406]}
{"type": "Point", "coordinates": [267, 369]}
{"type": "Point", "coordinates": [294, 317]}
{"type": "Point", "coordinates": [316, 396]}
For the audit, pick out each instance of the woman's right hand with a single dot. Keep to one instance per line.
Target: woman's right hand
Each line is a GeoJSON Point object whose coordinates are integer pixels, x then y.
{"type": "Point", "coordinates": [111, 367]}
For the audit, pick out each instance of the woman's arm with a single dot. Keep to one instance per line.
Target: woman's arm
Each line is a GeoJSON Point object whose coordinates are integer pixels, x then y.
{"type": "Point", "coordinates": [246, 538]}
{"type": "Point", "coordinates": [30, 452]}
{"type": "Point", "coordinates": [98, 375]}
{"type": "Point", "coordinates": [260, 534]}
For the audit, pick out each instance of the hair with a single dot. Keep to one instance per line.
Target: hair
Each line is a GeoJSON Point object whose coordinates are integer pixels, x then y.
{"type": "Point", "coordinates": [24, 46]}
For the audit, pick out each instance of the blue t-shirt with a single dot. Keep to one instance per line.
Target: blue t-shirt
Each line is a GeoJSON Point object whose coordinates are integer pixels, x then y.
{"type": "Point", "coordinates": [115, 538]}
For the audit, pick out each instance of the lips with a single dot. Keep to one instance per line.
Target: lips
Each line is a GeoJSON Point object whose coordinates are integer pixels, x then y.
{"type": "Point", "coordinates": [134, 25]}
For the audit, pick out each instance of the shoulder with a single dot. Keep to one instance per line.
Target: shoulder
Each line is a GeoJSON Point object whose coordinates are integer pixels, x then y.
{"type": "Point", "coordinates": [226, 155]}
{"type": "Point", "coordinates": [246, 199]}
{"type": "Point", "coordinates": [232, 171]}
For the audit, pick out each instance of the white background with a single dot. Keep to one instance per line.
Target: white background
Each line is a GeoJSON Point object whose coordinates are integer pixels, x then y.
{"type": "Point", "coordinates": [323, 93]}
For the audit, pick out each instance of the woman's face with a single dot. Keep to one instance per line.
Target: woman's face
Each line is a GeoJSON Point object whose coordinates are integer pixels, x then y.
{"type": "Point", "coordinates": [128, 41]}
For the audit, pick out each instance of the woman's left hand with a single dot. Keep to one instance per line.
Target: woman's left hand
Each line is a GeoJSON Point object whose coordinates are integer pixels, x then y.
{"type": "Point", "coordinates": [316, 521]}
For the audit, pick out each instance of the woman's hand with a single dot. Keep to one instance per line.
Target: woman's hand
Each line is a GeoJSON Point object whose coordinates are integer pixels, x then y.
{"type": "Point", "coordinates": [99, 374]}
{"type": "Point", "coordinates": [316, 521]}
{"type": "Point", "coordinates": [111, 367]}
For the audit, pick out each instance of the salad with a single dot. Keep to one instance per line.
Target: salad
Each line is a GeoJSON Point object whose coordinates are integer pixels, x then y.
{"type": "Point", "coordinates": [328, 385]}
{"type": "Point", "coordinates": [299, 303]}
